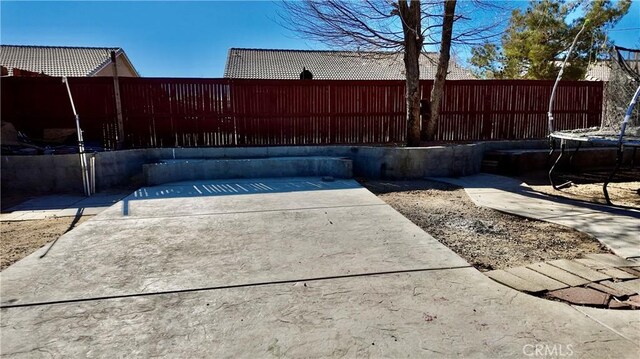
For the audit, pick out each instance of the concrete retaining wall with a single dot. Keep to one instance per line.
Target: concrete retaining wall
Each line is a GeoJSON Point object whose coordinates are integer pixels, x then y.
{"type": "Point", "coordinates": [177, 170]}
{"type": "Point", "coordinates": [61, 173]}
{"type": "Point", "coordinates": [35, 174]}
{"type": "Point", "coordinates": [516, 162]}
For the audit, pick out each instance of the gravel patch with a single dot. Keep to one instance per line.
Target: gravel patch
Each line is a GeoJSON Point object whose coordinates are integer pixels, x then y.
{"type": "Point", "coordinates": [486, 238]}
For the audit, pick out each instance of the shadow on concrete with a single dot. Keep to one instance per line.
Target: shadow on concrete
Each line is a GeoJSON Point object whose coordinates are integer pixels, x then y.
{"type": "Point", "coordinates": [541, 178]}
{"type": "Point", "coordinates": [614, 227]}
{"type": "Point", "coordinates": [617, 210]}
{"type": "Point", "coordinates": [75, 221]}
{"type": "Point", "coordinates": [216, 188]}
{"type": "Point", "coordinates": [508, 184]}
{"type": "Point", "coordinates": [67, 201]}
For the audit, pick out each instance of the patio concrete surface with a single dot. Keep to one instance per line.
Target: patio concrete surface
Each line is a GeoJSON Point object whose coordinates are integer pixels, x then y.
{"type": "Point", "coordinates": [62, 205]}
{"type": "Point", "coordinates": [614, 227]}
{"type": "Point", "coordinates": [292, 267]}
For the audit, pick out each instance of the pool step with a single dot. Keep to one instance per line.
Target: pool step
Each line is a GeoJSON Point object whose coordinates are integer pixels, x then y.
{"type": "Point", "coordinates": [166, 171]}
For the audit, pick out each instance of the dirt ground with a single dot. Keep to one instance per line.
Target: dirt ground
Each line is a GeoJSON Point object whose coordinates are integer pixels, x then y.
{"type": "Point", "coordinates": [486, 238]}
{"type": "Point", "coordinates": [21, 238]}
{"type": "Point", "coordinates": [588, 187]}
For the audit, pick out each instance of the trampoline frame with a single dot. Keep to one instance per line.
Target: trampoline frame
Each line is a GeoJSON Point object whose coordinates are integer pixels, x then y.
{"type": "Point", "coordinates": [618, 139]}
{"type": "Point", "coordinates": [620, 142]}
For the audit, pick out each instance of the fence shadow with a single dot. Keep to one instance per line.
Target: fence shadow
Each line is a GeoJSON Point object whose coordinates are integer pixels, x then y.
{"type": "Point", "coordinates": [490, 183]}
{"type": "Point", "coordinates": [215, 188]}
{"type": "Point", "coordinates": [616, 210]}
{"type": "Point", "coordinates": [66, 201]}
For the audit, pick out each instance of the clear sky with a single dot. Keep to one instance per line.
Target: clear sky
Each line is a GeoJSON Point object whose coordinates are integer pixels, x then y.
{"type": "Point", "coordinates": [176, 39]}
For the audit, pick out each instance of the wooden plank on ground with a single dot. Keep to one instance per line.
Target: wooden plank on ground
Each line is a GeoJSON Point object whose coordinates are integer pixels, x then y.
{"type": "Point", "coordinates": [558, 274]}
{"type": "Point", "coordinates": [633, 285]}
{"type": "Point", "coordinates": [579, 270]}
{"type": "Point", "coordinates": [514, 282]}
{"type": "Point", "coordinates": [613, 290]}
{"type": "Point", "coordinates": [616, 273]}
{"type": "Point", "coordinates": [619, 286]}
{"type": "Point", "coordinates": [593, 264]}
{"type": "Point", "coordinates": [537, 278]}
{"type": "Point", "coordinates": [612, 259]}
{"type": "Point", "coordinates": [608, 269]}
{"type": "Point", "coordinates": [631, 271]}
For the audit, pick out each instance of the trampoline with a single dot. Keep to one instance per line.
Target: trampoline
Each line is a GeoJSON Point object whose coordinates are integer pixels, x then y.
{"type": "Point", "coordinates": [620, 119]}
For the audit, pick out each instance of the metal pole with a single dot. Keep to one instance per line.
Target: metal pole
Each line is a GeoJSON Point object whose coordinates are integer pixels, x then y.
{"type": "Point", "coordinates": [555, 85]}
{"type": "Point", "coordinates": [620, 153]}
{"type": "Point", "coordinates": [116, 90]}
{"type": "Point", "coordinates": [627, 115]}
{"type": "Point", "coordinates": [93, 174]}
{"type": "Point", "coordinates": [83, 158]}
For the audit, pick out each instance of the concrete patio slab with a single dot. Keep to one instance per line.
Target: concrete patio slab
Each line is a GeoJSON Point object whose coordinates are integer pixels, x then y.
{"type": "Point", "coordinates": [63, 205]}
{"type": "Point", "coordinates": [131, 255]}
{"type": "Point", "coordinates": [442, 313]}
{"type": "Point", "coordinates": [614, 227]}
{"type": "Point", "coordinates": [274, 273]}
{"type": "Point", "coordinates": [625, 323]}
{"type": "Point", "coordinates": [235, 196]}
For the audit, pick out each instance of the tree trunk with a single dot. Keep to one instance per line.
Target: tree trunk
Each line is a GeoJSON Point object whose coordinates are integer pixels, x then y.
{"type": "Point", "coordinates": [410, 14]}
{"type": "Point", "coordinates": [441, 73]}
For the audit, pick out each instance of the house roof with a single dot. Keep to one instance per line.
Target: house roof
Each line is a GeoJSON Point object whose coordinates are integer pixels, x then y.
{"type": "Point", "coordinates": [330, 65]}
{"type": "Point", "coordinates": [59, 60]}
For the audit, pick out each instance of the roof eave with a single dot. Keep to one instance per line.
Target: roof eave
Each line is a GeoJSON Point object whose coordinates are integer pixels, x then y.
{"type": "Point", "coordinates": [120, 52]}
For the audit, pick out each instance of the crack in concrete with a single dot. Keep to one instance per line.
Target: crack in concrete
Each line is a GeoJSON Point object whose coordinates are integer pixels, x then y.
{"type": "Point", "coordinates": [202, 289]}
{"type": "Point", "coordinates": [634, 341]}
{"type": "Point", "coordinates": [205, 214]}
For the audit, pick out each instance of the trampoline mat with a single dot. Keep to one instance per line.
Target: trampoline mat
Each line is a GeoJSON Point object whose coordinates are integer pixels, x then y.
{"type": "Point", "coordinates": [597, 134]}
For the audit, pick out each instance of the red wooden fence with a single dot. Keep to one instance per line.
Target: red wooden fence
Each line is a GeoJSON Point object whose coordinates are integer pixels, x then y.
{"type": "Point", "coordinates": [318, 112]}
{"type": "Point", "coordinates": [34, 104]}
{"type": "Point", "coordinates": [224, 112]}
{"type": "Point", "coordinates": [514, 109]}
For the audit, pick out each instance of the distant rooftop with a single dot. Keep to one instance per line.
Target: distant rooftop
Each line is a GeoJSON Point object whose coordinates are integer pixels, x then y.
{"type": "Point", "coordinates": [598, 71]}
{"type": "Point", "coordinates": [330, 65]}
{"type": "Point", "coordinates": [60, 60]}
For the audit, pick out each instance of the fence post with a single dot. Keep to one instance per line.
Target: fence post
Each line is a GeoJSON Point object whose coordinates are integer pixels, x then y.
{"type": "Point", "coordinates": [486, 113]}
{"type": "Point", "coordinates": [116, 89]}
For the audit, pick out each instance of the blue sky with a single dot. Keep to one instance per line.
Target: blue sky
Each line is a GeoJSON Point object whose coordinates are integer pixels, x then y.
{"type": "Point", "coordinates": [176, 39]}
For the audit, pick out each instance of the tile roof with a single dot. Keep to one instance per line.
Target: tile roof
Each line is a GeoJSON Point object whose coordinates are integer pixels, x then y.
{"type": "Point", "coordinates": [57, 60]}
{"type": "Point", "coordinates": [330, 65]}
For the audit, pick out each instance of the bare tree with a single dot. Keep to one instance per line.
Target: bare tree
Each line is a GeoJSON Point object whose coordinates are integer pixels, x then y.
{"type": "Point", "coordinates": [441, 73]}
{"type": "Point", "coordinates": [413, 41]}
{"type": "Point", "coordinates": [403, 26]}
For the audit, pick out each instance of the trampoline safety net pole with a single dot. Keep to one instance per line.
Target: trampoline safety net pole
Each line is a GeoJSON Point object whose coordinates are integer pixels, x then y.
{"type": "Point", "coordinates": [627, 115]}
{"type": "Point", "coordinates": [555, 85]}
{"type": "Point", "coordinates": [83, 159]}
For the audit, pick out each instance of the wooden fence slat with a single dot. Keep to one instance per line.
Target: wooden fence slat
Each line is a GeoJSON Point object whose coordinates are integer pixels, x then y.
{"type": "Point", "coordinates": [161, 112]}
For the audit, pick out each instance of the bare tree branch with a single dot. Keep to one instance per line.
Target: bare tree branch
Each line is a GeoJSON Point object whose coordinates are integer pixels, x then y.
{"type": "Point", "coordinates": [403, 26]}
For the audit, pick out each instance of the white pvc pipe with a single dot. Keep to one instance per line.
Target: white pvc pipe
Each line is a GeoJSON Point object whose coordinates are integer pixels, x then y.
{"type": "Point", "coordinates": [555, 85]}
{"type": "Point", "coordinates": [83, 158]}
{"type": "Point", "coordinates": [627, 115]}
{"type": "Point", "coordinates": [93, 174]}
